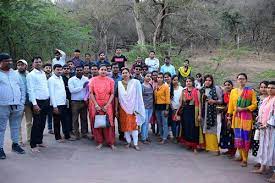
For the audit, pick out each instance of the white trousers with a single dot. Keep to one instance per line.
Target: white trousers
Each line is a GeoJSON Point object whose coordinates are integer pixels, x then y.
{"type": "Point", "coordinates": [134, 135]}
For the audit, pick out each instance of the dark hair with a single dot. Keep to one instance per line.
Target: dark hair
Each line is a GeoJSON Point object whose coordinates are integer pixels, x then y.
{"type": "Point", "coordinates": [152, 51]}
{"type": "Point", "coordinates": [65, 65]}
{"type": "Point", "coordinates": [211, 77]}
{"type": "Point", "coordinates": [199, 74]}
{"type": "Point", "coordinates": [228, 81]}
{"type": "Point", "coordinates": [77, 50]}
{"type": "Point", "coordinates": [186, 60]}
{"type": "Point", "coordinates": [86, 65]}
{"type": "Point", "coordinates": [79, 66]}
{"type": "Point", "coordinates": [69, 61]}
{"type": "Point", "coordinates": [160, 73]}
{"type": "Point", "coordinates": [57, 52]}
{"type": "Point", "coordinates": [36, 58]}
{"type": "Point", "coordinates": [137, 66]}
{"type": "Point", "coordinates": [57, 66]}
{"type": "Point", "coordinates": [102, 52]}
{"type": "Point", "coordinates": [125, 68]}
{"type": "Point", "coordinates": [147, 73]}
{"type": "Point", "coordinates": [47, 64]}
{"type": "Point", "coordinates": [172, 86]}
{"type": "Point", "coordinates": [242, 74]}
{"type": "Point", "coordinates": [168, 73]}
{"type": "Point", "coordinates": [154, 72]}
{"type": "Point", "coordinates": [118, 48]}
{"type": "Point", "coordinates": [167, 57]}
{"type": "Point", "coordinates": [102, 65]}
{"type": "Point", "coordinates": [271, 83]}
{"type": "Point", "coordinates": [263, 82]}
{"type": "Point", "coordinates": [87, 54]}
{"type": "Point", "coordinates": [144, 66]}
{"type": "Point", "coordinates": [115, 63]}
{"type": "Point", "coordinates": [192, 79]}
{"type": "Point", "coordinates": [94, 65]}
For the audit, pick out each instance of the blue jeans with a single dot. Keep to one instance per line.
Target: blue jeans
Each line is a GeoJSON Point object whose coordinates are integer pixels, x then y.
{"type": "Point", "coordinates": [175, 128]}
{"type": "Point", "coordinates": [13, 114]}
{"type": "Point", "coordinates": [163, 124]}
{"type": "Point", "coordinates": [145, 125]}
{"type": "Point", "coordinates": [50, 119]}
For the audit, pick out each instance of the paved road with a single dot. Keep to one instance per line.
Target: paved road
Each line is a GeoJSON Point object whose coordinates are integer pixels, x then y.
{"type": "Point", "coordinates": [80, 162]}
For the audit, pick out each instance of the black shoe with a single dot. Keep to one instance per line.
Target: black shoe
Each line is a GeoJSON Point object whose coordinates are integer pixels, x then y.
{"type": "Point", "coordinates": [16, 148]}
{"type": "Point", "coordinates": [2, 154]}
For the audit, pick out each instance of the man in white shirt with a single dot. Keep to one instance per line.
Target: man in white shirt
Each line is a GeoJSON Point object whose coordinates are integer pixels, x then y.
{"type": "Point", "coordinates": [152, 62]}
{"type": "Point", "coordinates": [38, 91]}
{"type": "Point", "coordinates": [60, 57]}
{"type": "Point", "coordinates": [58, 102]}
{"type": "Point", "coordinates": [77, 86]}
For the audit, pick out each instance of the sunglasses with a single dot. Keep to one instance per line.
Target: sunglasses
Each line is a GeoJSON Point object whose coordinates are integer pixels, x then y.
{"type": "Point", "coordinates": [66, 68]}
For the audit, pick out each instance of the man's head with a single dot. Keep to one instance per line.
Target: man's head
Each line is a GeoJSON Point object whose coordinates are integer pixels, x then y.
{"type": "Point", "coordinates": [57, 69]}
{"type": "Point", "coordinates": [70, 64]}
{"type": "Point", "coordinates": [47, 68]}
{"type": "Point", "coordinates": [86, 69]}
{"type": "Point", "coordinates": [118, 51]}
{"type": "Point", "coordinates": [57, 54]}
{"type": "Point", "coordinates": [66, 69]}
{"type": "Point", "coordinates": [167, 60]}
{"type": "Point", "coordinates": [5, 62]}
{"type": "Point", "coordinates": [115, 68]}
{"type": "Point", "coordinates": [22, 65]}
{"type": "Point", "coordinates": [37, 63]}
{"type": "Point", "coordinates": [88, 57]}
{"type": "Point", "coordinates": [77, 53]}
{"type": "Point", "coordinates": [79, 71]}
{"type": "Point", "coordinates": [152, 54]}
{"type": "Point", "coordinates": [94, 70]}
{"type": "Point", "coordinates": [139, 61]}
{"type": "Point", "coordinates": [101, 56]}
{"type": "Point", "coordinates": [186, 63]}
{"type": "Point", "coordinates": [138, 69]}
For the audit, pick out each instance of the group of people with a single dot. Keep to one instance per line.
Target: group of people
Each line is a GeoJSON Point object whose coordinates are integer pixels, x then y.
{"type": "Point", "coordinates": [190, 111]}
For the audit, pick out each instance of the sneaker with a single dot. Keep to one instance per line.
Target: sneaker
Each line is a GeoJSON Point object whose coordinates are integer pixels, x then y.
{"type": "Point", "coordinates": [2, 154]}
{"type": "Point", "coordinates": [16, 148]}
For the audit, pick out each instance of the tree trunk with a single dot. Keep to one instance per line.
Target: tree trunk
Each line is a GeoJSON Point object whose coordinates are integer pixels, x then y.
{"type": "Point", "coordinates": [140, 32]}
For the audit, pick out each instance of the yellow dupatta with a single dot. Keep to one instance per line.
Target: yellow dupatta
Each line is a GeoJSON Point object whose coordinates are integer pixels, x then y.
{"type": "Point", "coordinates": [184, 73]}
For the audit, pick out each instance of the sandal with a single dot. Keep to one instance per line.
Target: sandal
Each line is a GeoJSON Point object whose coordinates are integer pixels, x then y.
{"type": "Point", "coordinates": [99, 146]}
{"type": "Point", "coordinates": [243, 164]}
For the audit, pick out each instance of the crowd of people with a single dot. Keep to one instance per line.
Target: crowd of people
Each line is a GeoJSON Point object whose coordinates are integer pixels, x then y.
{"type": "Point", "coordinates": [75, 95]}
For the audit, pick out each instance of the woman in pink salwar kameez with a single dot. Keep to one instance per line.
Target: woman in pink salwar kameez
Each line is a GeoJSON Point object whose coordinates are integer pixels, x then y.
{"type": "Point", "coordinates": [101, 98]}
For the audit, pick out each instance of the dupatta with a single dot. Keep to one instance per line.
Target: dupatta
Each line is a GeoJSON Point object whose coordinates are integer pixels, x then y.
{"type": "Point", "coordinates": [131, 100]}
{"type": "Point", "coordinates": [184, 73]}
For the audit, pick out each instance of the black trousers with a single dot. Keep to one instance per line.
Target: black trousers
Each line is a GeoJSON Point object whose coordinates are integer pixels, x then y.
{"type": "Point", "coordinates": [62, 118]}
{"type": "Point", "coordinates": [39, 121]}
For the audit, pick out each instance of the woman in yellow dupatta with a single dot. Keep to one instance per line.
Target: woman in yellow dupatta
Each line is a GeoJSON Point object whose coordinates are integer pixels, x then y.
{"type": "Point", "coordinates": [242, 103]}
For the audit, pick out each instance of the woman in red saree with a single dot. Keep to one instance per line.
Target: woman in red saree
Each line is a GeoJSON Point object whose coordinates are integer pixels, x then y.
{"type": "Point", "coordinates": [101, 98]}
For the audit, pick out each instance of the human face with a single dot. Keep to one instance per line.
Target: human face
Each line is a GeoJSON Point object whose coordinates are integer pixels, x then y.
{"type": "Point", "coordinates": [262, 89]}
{"type": "Point", "coordinates": [87, 57]}
{"type": "Point", "coordinates": [137, 70]}
{"type": "Point", "coordinates": [48, 69]}
{"type": "Point", "coordinates": [270, 90]}
{"type": "Point", "coordinates": [154, 76]}
{"type": "Point", "coordinates": [6, 64]}
{"type": "Point", "coordinates": [125, 75]}
{"type": "Point", "coordinates": [37, 64]}
{"type": "Point", "coordinates": [109, 68]}
{"type": "Point", "coordinates": [208, 82]}
{"type": "Point", "coordinates": [241, 80]}
{"type": "Point", "coordinates": [21, 67]}
{"type": "Point", "coordinates": [94, 71]}
{"type": "Point", "coordinates": [175, 81]}
{"type": "Point", "coordinates": [118, 51]}
{"type": "Point", "coordinates": [167, 79]}
{"type": "Point", "coordinates": [86, 70]}
{"type": "Point", "coordinates": [189, 83]}
{"type": "Point", "coordinates": [102, 56]}
{"type": "Point", "coordinates": [66, 70]}
{"type": "Point", "coordinates": [103, 71]}
{"type": "Point", "coordinates": [71, 65]}
{"type": "Point", "coordinates": [227, 87]}
{"type": "Point", "coordinates": [57, 56]}
{"type": "Point", "coordinates": [167, 61]}
{"type": "Point", "coordinates": [152, 55]}
{"type": "Point", "coordinates": [76, 54]}
{"type": "Point", "coordinates": [186, 64]}
{"type": "Point", "coordinates": [160, 79]}
{"type": "Point", "coordinates": [147, 77]}
{"type": "Point", "coordinates": [115, 69]}
{"type": "Point", "coordinates": [58, 71]}
{"type": "Point", "coordinates": [79, 72]}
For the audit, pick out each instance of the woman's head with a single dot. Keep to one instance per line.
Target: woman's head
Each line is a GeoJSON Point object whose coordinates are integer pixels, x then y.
{"type": "Point", "coordinates": [263, 87]}
{"type": "Point", "coordinates": [160, 77]}
{"type": "Point", "coordinates": [147, 77]}
{"type": "Point", "coordinates": [125, 73]}
{"type": "Point", "coordinates": [175, 80]}
{"type": "Point", "coordinates": [208, 81]}
{"type": "Point", "coordinates": [242, 79]}
{"type": "Point", "coordinates": [271, 88]}
{"type": "Point", "coordinates": [102, 70]}
{"type": "Point", "coordinates": [228, 85]}
{"type": "Point", "coordinates": [154, 75]}
{"type": "Point", "coordinates": [189, 82]}
{"type": "Point", "coordinates": [167, 77]}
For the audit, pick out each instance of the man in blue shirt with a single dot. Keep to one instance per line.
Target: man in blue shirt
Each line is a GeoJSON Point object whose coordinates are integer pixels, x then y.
{"type": "Point", "coordinates": [12, 100]}
{"type": "Point", "coordinates": [101, 59]}
{"type": "Point", "coordinates": [168, 67]}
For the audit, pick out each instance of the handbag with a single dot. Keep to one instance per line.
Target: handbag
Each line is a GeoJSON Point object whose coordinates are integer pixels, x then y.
{"type": "Point", "coordinates": [102, 121]}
